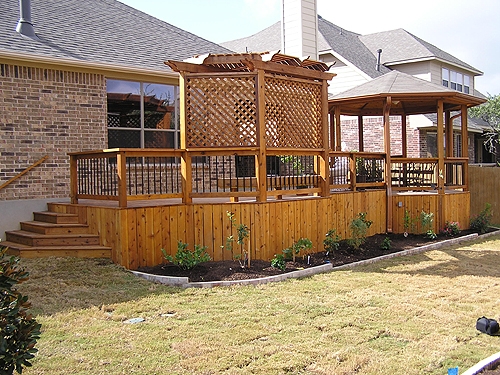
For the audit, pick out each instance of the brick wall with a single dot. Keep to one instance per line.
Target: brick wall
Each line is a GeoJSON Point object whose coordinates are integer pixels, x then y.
{"type": "Point", "coordinates": [47, 112]}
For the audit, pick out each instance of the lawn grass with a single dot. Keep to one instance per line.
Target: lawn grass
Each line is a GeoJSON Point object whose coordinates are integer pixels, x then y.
{"type": "Point", "coordinates": [407, 315]}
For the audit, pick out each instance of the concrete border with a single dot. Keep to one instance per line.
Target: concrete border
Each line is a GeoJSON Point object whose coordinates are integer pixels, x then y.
{"type": "Point", "coordinates": [183, 282]}
{"type": "Point", "coordinates": [485, 364]}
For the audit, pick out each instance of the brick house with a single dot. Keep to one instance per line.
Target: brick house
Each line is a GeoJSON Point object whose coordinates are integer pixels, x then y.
{"type": "Point", "coordinates": [87, 75]}
{"type": "Point", "coordinates": [356, 60]}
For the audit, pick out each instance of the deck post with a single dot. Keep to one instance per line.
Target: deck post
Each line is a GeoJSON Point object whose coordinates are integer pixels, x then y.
{"type": "Point", "coordinates": [361, 141]}
{"type": "Point", "coordinates": [338, 138]}
{"type": "Point", "coordinates": [465, 147]}
{"type": "Point", "coordinates": [387, 149]}
{"type": "Point", "coordinates": [121, 165]}
{"type": "Point", "coordinates": [324, 161]}
{"type": "Point", "coordinates": [73, 179]}
{"type": "Point", "coordinates": [404, 136]}
{"type": "Point", "coordinates": [260, 165]}
{"type": "Point", "coordinates": [441, 166]}
{"type": "Point", "coordinates": [186, 166]}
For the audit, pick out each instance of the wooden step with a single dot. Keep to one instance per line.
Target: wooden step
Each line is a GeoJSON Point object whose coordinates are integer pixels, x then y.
{"type": "Point", "coordinates": [88, 251]}
{"type": "Point", "coordinates": [55, 217]}
{"type": "Point", "coordinates": [37, 239]}
{"type": "Point", "coordinates": [50, 228]}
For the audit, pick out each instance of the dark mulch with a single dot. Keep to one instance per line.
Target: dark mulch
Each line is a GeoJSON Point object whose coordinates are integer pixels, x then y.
{"type": "Point", "coordinates": [231, 270]}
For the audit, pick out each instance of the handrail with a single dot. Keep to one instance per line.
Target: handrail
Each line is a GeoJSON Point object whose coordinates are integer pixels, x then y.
{"type": "Point", "coordinates": [36, 164]}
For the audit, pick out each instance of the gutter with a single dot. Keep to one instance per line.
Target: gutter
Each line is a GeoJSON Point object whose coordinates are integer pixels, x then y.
{"type": "Point", "coordinates": [109, 70]}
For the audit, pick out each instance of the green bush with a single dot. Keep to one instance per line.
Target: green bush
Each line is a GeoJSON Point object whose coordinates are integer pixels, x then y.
{"type": "Point", "coordinates": [19, 330]}
{"type": "Point", "coordinates": [386, 244]}
{"type": "Point", "coordinates": [185, 258]}
{"type": "Point", "coordinates": [451, 228]}
{"type": "Point", "coordinates": [426, 220]}
{"type": "Point", "coordinates": [303, 244]}
{"type": "Point", "coordinates": [278, 262]}
{"type": "Point", "coordinates": [481, 222]}
{"type": "Point", "coordinates": [331, 242]}
{"type": "Point", "coordinates": [359, 229]}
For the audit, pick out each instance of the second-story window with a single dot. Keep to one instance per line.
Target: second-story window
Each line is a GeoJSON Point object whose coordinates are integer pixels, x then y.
{"type": "Point", "coordinates": [466, 84]}
{"type": "Point", "coordinates": [455, 81]}
{"type": "Point", "coordinates": [446, 77]}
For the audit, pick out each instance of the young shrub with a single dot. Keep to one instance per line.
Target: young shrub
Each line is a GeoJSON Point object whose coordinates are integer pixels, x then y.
{"type": "Point", "coordinates": [186, 259]}
{"type": "Point", "coordinates": [451, 228]}
{"type": "Point", "coordinates": [408, 223]}
{"type": "Point", "coordinates": [19, 330]}
{"type": "Point", "coordinates": [359, 228]}
{"type": "Point", "coordinates": [331, 242]}
{"type": "Point", "coordinates": [481, 222]}
{"type": "Point", "coordinates": [426, 220]}
{"type": "Point", "coordinates": [303, 244]}
{"type": "Point", "coordinates": [386, 244]}
{"type": "Point", "coordinates": [278, 262]}
{"type": "Point", "coordinates": [243, 233]}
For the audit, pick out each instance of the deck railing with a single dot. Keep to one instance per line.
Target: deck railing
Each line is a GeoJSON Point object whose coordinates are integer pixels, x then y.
{"type": "Point", "coordinates": [131, 174]}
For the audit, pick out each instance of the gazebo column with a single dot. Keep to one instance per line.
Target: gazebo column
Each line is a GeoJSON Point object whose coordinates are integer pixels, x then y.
{"type": "Point", "coordinates": [448, 125]}
{"type": "Point", "coordinates": [404, 135]}
{"type": "Point", "coordinates": [361, 142]}
{"type": "Point", "coordinates": [324, 162]}
{"type": "Point", "coordinates": [441, 167]}
{"type": "Point", "coordinates": [332, 130]}
{"type": "Point", "coordinates": [338, 138]}
{"type": "Point", "coordinates": [260, 159]}
{"type": "Point", "coordinates": [465, 146]}
{"type": "Point", "coordinates": [186, 169]}
{"type": "Point", "coordinates": [387, 149]}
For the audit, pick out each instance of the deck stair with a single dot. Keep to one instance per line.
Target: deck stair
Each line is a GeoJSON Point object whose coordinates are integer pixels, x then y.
{"type": "Point", "coordinates": [54, 234]}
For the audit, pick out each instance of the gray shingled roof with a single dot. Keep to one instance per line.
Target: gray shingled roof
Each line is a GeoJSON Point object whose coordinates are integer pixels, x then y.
{"type": "Point", "coordinates": [399, 46]}
{"type": "Point", "coordinates": [394, 82]}
{"type": "Point", "coordinates": [268, 39]}
{"type": "Point", "coordinates": [99, 31]}
{"type": "Point", "coordinates": [348, 45]}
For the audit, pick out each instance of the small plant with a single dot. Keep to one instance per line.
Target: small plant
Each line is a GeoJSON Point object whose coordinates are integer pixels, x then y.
{"type": "Point", "coordinates": [331, 242]}
{"type": "Point", "coordinates": [408, 223]}
{"type": "Point", "coordinates": [359, 228]}
{"type": "Point", "coordinates": [481, 222]}
{"type": "Point", "coordinates": [303, 244]}
{"type": "Point", "coordinates": [243, 232]}
{"type": "Point", "coordinates": [386, 244]}
{"type": "Point", "coordinates": [278, 262]}
{"type": "Point", "coordinates": [19, 330]}
{"type": "Point", "coordinates": [186, 259]}
{"type": "Point", "coordinates": [426, 220]}
{"type": "Point", "coordinates": [451, 228]}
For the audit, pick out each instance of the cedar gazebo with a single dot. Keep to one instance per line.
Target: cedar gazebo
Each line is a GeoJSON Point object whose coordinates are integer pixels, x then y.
{"type": "Point", "coordinates": [399, 94]}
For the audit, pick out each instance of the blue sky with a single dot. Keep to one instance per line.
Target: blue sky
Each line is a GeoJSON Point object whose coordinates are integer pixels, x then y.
{"type": "Point", "coordinates": [467, 29]}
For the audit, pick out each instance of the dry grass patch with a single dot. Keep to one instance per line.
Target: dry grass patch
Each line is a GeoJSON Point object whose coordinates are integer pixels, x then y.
{"type": "Point", "coordinates": [411, 315]}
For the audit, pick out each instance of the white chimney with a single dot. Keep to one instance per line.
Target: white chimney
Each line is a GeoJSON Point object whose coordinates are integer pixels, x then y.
{"type": "Point", "coordinates": [299, 34]}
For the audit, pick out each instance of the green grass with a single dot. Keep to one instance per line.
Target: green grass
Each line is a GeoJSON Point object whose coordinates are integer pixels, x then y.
{"type": "Point", "coordinates": [408, 315]}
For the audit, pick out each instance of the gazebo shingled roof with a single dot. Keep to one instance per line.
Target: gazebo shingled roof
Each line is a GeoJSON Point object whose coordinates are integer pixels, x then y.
{"type": "Point", "coordinates": [409, 95]}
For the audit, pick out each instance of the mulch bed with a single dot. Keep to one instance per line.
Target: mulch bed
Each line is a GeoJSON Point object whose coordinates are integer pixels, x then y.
{"type": "Point", "coordinates": [231, 270]}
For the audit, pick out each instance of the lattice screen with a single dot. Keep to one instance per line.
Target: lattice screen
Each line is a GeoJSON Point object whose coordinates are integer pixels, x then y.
{"type": "Point", "coordinates": [221, 111]}
{"type": "Point", "coordinates": [293, 113]}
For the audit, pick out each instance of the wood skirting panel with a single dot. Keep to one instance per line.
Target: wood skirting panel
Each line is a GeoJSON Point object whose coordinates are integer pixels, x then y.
{"type": "Point", "coordinates": [484, 185]}
{"type": "Point", "coordinates": [456, 207]}
{"type": "Point", "coordinates": [137, 235]}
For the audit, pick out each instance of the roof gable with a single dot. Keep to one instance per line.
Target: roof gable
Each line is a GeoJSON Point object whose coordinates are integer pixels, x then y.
{"type": "Point", "coordinates": [400, 46]}
{"type": "Point", "coordinates": [99, 31]}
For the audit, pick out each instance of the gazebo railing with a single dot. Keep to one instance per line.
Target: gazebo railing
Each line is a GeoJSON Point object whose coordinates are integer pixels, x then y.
{"type": "Point", "coordinates": [455, 174]}
{"type": "Point", "coordinates": [414, 174]}
{"type": "Point", "coordinates": [368, 169]}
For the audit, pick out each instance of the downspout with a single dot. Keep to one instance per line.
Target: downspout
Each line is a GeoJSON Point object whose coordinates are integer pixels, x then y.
{"type": "Point", "coordinates": [25, 26]}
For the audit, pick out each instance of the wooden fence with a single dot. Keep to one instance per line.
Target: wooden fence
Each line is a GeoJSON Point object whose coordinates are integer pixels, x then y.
{"type": "Point", "coordinates": [484, 183]}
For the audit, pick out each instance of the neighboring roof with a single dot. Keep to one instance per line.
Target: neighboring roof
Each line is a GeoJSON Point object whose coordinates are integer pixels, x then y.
{"type": "Point", "coordinates": [268, 39]}
{"type": "Point", "coordinates": [399, 46]}
{"type": "Point", "coordinates": [349, 46]}
{"type": "Point", "coordinates": [475, 125]}
{"type": "Point", "coordinates": [99, 31]}
{"type": "Point", "coordinates": [409, 95]}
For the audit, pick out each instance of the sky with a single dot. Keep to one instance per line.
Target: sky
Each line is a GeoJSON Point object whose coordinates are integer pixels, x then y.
{"type": "Point", "coordinates": [469, 30]}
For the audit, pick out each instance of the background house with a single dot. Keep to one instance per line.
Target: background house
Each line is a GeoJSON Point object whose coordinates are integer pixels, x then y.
{"type": "Point", "coordinates": [358, 59]}
{"type": "Point", "coordinates": [91, 76]}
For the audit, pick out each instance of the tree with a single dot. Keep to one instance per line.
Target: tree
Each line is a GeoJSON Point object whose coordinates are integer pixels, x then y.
{"type": "Point", "coordinates": [490, 112]}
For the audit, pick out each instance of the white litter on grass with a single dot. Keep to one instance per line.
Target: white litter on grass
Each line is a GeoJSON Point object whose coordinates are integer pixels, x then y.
{"type": "Point", "coordinates": [134, 321]}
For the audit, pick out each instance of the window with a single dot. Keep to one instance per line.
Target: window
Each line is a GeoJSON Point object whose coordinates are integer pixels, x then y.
{"type": "Point", "coordinates": [466, 84]}
{"type": "Point", "coordinates": [455, 81]}
{"type": "Point", "coordinates": [142, 115]}
{"type": "Point", "coordinates": [446, 77]}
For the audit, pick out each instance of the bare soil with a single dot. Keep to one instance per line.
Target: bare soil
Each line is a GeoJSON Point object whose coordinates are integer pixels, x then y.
{"type": "Point", "coordinates": [231, 270]}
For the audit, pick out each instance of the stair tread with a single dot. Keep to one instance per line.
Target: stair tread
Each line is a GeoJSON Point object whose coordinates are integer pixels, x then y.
{"type": "Point", "coordinates": [52, 225]}
{"type": "Point", "coordinates": [65, 247]}
{"type": "Point", "coordinates": [50, 213]}
{"type": "Point", "coordinates": [26, 233]}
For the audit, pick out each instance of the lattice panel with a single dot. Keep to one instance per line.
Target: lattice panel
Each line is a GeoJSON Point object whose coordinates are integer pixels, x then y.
{"type": "Point", "coordinates": [221, 111]}
{"type": "Point", "coordinates": [293, 113]}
